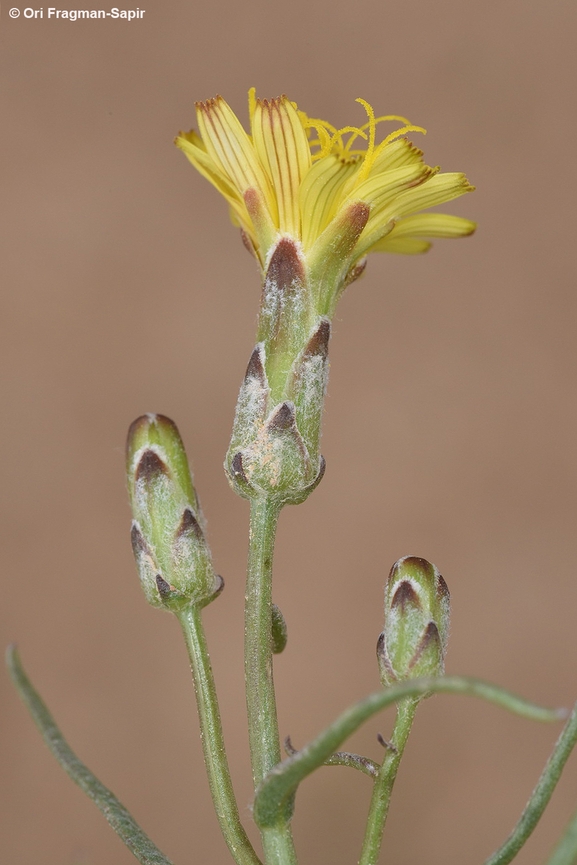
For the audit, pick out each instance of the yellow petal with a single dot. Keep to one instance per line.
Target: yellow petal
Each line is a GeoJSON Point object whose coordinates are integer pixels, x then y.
{"type": "Point", "coordinates": [436, 190]}
{"type": "Point", "coordinates": [382, 193]}
{"type": "Point", "coordinates": [320, 195]}
{"type": "Point", "coordinates": [300, 176]}
{"type": "Point", "coordinates": [192, 146]}
{"type": "Point", "coordinates": [395, 155]}
{"type": "Point", "coordinates": [433, 225]}
{"type": "Point", "coordinates": [231, 148]}
{"type": "Point", "coordinates": [282, 146]}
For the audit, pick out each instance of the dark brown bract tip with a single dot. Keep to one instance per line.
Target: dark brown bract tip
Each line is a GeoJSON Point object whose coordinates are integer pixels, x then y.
{"type": "Point", "coordinates": [283, 418]}
{"type": "Point", "coordinates": [358, 214]}
{"type": "Point", "coordinates": [237, 468]}
{"type": "Point", "coordinates": [189, 525]}
{"type": "Point", "coordinates": [143, 421]}
{"type": "Point", "coordinates": [417, 562]}
{"type": "Point", "coordinates": [139, 545]}
{"type": "Point", "coordinates": [247, 243]}
{"type": "Point", "coordinates": [318, 344]}
{"type": "Point", "coordinates": [285, 267]}
{"type": "Point", "coordinates": [405, 596]}
{"type": "Point", "coordinates": [442, 588]}
{"type": "Point", "coordinates": [164, 589]}
{"type": "Point", "coordinates": [150, 466]}
{"type": "Point", "coordinates": [431, 635]}
{"type": "Point", "coordinates": [255, 368]}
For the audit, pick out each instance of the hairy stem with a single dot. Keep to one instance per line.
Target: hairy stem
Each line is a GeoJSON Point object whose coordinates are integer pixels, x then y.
{"type": "Point", "coordinates": [383, 786]}
{"type": "Point", "coordinates": [260, 696]}
{"type": "Point", "coordinates": [213, 741]}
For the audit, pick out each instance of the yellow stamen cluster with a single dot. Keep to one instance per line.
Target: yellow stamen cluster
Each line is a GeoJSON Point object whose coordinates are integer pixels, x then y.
{"type": "Point", "coordinates": [295, 175]}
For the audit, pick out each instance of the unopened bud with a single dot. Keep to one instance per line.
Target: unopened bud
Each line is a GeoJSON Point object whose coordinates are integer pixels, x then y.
{"type": "Point", "coordinates": [414, 640]}
{"type": "Point", "coordinates": [170, 549]}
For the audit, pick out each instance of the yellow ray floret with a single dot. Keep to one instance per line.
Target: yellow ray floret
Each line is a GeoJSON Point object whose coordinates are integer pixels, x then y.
{"type": "Point", "coordinates": [295, 175]}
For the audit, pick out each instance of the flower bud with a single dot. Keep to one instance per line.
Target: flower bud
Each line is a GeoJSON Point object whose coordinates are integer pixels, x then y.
{"type": "Point", "coordinates": [172, 556]}
{"type": "Point", "coordinates": [414, 640]}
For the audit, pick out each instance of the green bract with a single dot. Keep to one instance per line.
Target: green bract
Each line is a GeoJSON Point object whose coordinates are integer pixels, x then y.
{"type": "Point", "coordinates": [414, 640]}
{"type": "Point", "coordinates": [274, 450]}
{"type": "Point", "coordinates": [171, 553]}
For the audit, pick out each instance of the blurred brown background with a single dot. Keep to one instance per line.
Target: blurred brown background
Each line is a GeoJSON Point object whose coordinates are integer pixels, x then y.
{"type": "Point", "coordinates": [449, 431]}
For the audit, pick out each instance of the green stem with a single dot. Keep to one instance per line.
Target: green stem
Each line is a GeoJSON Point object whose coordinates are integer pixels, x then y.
{"type": "Point", "coordinates": [540, 798]}
{"type": "Point", "coordinates": [383, 786]}
{"type": "Point", "coordinates": [118, 817]}
{"type": "Point", "coordinates": [213, 741]}
{"type": "Point", "coordinates": [260, 696]}
{"type": "Point", "coordinates": [280, 785]}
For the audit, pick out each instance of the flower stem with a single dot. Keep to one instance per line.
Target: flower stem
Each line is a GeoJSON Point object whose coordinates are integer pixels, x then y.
{"type": "Point", "coordinates": [383, 785]}
{"type": "Point", "coordinates": [213, 741]}
{"type": "Point", "coordinates": [260, 696]}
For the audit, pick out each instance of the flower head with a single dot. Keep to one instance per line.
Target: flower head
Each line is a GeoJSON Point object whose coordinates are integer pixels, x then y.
{"type": "Point", "coordinates": [332, 190]}
{"type": "Point", "coordinates": [311, 201]}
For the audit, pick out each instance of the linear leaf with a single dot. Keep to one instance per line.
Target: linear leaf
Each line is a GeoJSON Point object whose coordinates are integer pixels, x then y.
{"type": "Point", "coordinates": [281, 783]}
{"type": "Point", "coordinates": [119, 818]}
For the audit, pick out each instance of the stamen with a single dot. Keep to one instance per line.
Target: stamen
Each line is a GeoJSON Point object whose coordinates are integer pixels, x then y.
{"type": "Point", "coordinates": [382, 119]}
{"type": "Point", "coordinates": [337, 137]}
{"type": "Point", "coordinates": [385, 117]}
{"type": "Point", "coordinates": [316, 122]}
{"type": "Point", "coordinates": [323, 140]}
{"type": "Point", "coordinates": [366, 167]}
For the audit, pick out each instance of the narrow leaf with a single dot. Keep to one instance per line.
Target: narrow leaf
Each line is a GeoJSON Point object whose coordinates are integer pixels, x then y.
{"type": "Point", "coordinates": [566, 852]}
{"type": "Point", "coordinates": [119, 818]}
{"type": "Point", "coordinates": [281, 783]}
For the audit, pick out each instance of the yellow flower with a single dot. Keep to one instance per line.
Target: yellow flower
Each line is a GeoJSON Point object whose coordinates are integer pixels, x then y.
{"type": "Point", "coordinates": [301, 177]}
{"type": "Point", "coordinates": [311, 201]}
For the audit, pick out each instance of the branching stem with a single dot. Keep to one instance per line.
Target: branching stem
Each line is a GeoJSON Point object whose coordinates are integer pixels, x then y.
{"type": "Point", "coordinates": [280, 785]}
